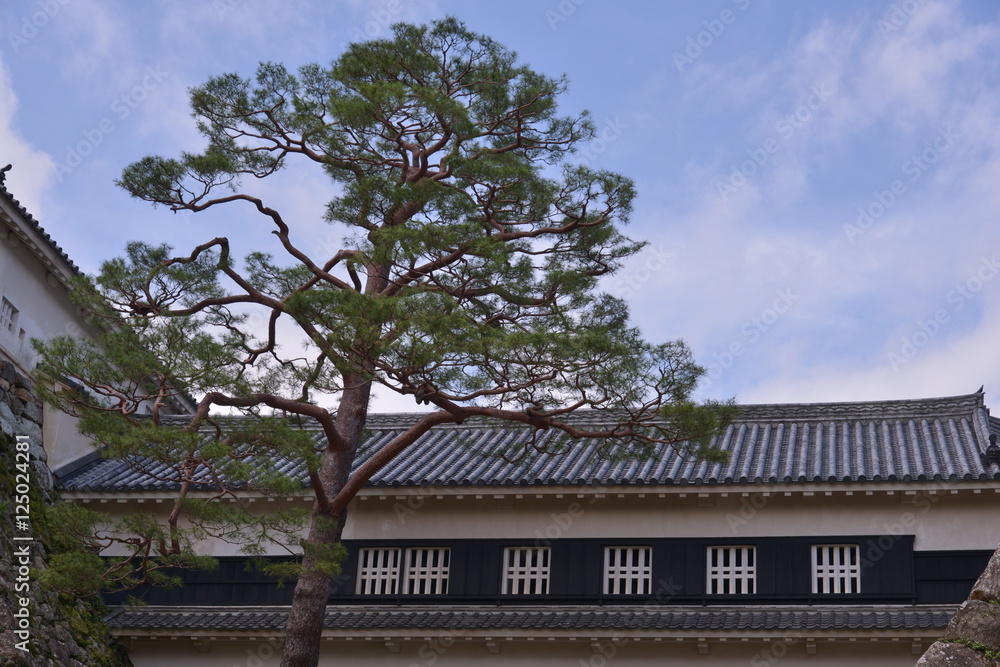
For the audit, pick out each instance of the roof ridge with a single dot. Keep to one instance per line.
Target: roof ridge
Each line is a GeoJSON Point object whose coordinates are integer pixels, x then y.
{"type": "Point", "coordinates": [875, 441]}
{"type": "Point", "coordinates": [960, 404]}
{"type": "Point", "coordinates": [822, 411]}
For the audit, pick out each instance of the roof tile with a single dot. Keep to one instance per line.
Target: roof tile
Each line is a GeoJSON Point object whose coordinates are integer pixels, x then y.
{"type": "Point", "coordinates": [674, 618]}
{"type": "Point", "coordinates": [927, 439]}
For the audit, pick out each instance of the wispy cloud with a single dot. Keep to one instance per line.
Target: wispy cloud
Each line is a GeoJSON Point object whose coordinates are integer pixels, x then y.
{"type": "Point", "coordinates": [914, 107]}
{"type": "Point", "coordinates": [34, 170]}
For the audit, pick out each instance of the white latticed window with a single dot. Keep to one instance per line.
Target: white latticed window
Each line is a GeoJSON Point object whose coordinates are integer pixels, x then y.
{"type": "Point", "coordinates": [732, 570]}
{"type": "Point", "coordinates": [836, 568]}
{"type": "Point", "coordinates": [8, 316]}
{"type": "Point", "coordinates": [378, 571]}
{"type": "Point", "coordinates": [427, 571]}
{"type": "Point", "coordinates": [526, 570]}
{"type": "Point", "coordinates": [627, 570]}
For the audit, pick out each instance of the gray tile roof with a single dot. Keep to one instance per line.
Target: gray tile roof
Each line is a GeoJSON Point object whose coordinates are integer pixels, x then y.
{"type": "Point", "coordinates": [813, 618]}
{"type": "Point", "coordinates": [34, 224]}
{"type": "Point", "coordinates": [908, 440]}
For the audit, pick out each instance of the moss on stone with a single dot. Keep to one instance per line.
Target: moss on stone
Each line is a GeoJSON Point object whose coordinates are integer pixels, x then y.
{"type": "Point", "coordinates": [66, 630]}
{"type": "Point", "coordinates": [979, 647]}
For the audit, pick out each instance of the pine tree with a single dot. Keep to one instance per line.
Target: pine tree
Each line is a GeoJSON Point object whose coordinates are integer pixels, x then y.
{"type": "Point", "coordinates": [469, 280]}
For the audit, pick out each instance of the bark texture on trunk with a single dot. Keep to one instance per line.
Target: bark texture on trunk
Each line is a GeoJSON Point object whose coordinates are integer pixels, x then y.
{"type": "Point", "coordinates": [303, 632]}
{"type": "Point", "coordinates": [304, 629]}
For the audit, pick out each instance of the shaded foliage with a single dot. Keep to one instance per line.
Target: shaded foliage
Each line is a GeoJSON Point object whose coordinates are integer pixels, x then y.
{"type": "Point", "coordinates": [469, 278]}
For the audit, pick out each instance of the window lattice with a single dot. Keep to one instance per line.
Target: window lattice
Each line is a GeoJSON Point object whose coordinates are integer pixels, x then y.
{"type": "Point", "coordinates": [836, 568]}
{"type": "Point", "coordinates": [526, 570]}
{"type": "Point", "coordinates": [732, 570]}
{"type": "Point", "coordinates": [8, 316]}
{"type": "Point", "coordinates": [628, 570]}
{"type": "Point", "coordinates": [427, 571]}
{"type": "Point", "coordinates": [378, 571]}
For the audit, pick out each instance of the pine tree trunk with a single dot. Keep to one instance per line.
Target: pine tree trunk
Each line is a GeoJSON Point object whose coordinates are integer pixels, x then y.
{"type": "Point", "coordinates": [304, 630]}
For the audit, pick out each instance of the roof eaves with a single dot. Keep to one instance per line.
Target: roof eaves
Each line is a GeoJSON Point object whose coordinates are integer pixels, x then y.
{"type": "Point", "coordinates": [36, 227]}
{"type": "Point", "coordinates": [828, 620]}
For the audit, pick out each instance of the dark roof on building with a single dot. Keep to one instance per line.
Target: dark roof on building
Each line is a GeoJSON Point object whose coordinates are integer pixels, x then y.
{"type": "Point", "coordinates": [908, 440]}
{"type": "Point", "coordinates": [34, 224]}
{"type": "Point", "coordinates": [816, 618]}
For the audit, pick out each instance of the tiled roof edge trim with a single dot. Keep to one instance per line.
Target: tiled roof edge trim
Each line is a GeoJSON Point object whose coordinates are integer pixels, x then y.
{"type": "Point", "coordinates": [769, 618]}
{"type": "Point", "coordinates": [37, 227]}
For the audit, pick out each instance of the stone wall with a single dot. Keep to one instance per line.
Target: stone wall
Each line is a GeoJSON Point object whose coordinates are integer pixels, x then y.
{"type": "Point", "coordinates": [972, 639]}
{"type": "Point", "coordinates": [55, 629]}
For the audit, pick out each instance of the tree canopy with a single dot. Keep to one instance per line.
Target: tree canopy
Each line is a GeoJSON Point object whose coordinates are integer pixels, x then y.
{"type": "Point", "coordinates": [468, 278]}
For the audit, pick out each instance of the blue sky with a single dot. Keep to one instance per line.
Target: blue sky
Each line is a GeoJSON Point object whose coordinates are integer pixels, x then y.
{"type": "Point", "coordinates": [819, 183]}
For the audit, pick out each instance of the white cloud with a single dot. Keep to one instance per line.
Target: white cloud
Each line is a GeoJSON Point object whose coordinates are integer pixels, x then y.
{"type": "Point", "coordinates": [34, 171]}
{"type": "Point", "coordinates": [944, 367]}
{"type": "Point", "coordinates": [893, 95]}
{"type": "Point", "coordinates": [102, 42]}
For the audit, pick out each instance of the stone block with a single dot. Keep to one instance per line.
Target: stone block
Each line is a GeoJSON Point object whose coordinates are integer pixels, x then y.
{"type": "Point", "coordinates": [22, 382]}
{"type": "Point", "coordinates": [37, 450]}
{"type": "Point", "coordinates": [16, 405]}
{"type": "Point", "coordinates": [976, 621]}
{"type": "Point", "coordinates": [7, 372]}
{"type": "Point", "coordinates": [43, 478]}
{"type": "Point", "coordinates": [942, 654]}
{"type": "Point", "coordinates": [23, 394]}
{"type": "Point", "coordinates": [987, 587]}
{"type": "Point", "coordinates": [33, 411]}
{"type": "Point", "coordinates": [7, 419]}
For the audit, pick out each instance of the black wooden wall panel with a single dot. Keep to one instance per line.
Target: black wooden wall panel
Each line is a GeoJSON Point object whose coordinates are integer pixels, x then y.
{"type": "Point", "coordinates": [692, 566]}
{"type": "Point", "coordinates": [944, 577]}
{"type": "Point", "coordinates": [564, 577]}
{"type": "Point", "coordinates": [490, 555]}
{"type": "Point", "coordinates": [767, 574]}
{"type": "Point", "coordinates": [345, 584]}
{"type": "Point", "coordinates": [892, 573]}
{"type": "Point", "coordinates": [462, 566]}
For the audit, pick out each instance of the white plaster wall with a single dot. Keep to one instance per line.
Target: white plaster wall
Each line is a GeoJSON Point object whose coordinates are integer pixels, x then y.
{"type": "Point", "coordinates": [45, 310]}
{"type": "Point", "coordinates": [61, 439]}
{"type": "Point", "coordinates": [963, 521]}
{"type": "Point", "coordinates": [540, 653]}
{"type": "Point", "coordinates": [944, 522]}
